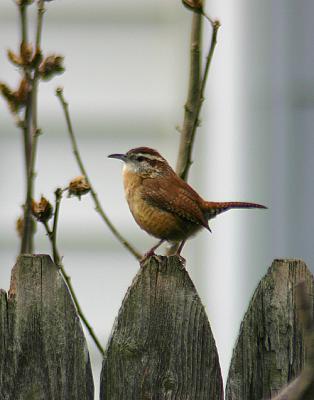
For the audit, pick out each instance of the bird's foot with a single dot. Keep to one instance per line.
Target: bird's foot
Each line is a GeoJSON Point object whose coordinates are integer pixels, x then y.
{"type": "Point", "coordinates": [146, 256]}
{"type": "Point", "coordinates": [151, 252]}
{"type": "Point", "coordinates": [182, 260]}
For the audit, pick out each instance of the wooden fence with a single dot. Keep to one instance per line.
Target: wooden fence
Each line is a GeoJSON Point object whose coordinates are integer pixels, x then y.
{"type": "Point", "coordinates": [161, 347]}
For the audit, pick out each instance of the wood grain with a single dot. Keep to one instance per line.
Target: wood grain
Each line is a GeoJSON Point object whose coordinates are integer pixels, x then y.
{"type": "Point", "coordinates": [43, 352]}
{"type": "Point", "coordinates": [270, 350]}
{"type": "Point", "coordinates": [161, 346]}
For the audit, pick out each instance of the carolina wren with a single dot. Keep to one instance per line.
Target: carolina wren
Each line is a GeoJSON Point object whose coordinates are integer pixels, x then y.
{"type": "Point", "coordinates": [163, 204]}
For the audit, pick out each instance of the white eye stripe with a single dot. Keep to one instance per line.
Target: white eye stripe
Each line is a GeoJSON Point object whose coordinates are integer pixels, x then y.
{"type": "Point", "coordinates": [150, 157]}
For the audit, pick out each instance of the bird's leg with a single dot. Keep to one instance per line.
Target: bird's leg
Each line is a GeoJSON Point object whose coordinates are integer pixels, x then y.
{"type": "Point", "coordinates": [178, 252]}
{"type": "Point", "coordinates": [151, 252]}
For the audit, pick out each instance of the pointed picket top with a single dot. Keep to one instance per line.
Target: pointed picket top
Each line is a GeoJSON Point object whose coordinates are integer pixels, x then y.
{"type": "Point", "coordinates": [270, 349]}
{"type": "Point", "coordinates": [43, 351]}
{"type": "Point", "coordinates": [161, 346]}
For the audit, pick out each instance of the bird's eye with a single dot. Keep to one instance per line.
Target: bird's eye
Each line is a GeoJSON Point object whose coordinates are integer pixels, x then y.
{"type": "Point", "coordinates": [140, 158]}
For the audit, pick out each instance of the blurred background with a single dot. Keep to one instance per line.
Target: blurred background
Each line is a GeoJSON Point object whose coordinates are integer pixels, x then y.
{"type": "Point", "coordinates": [126, 83]}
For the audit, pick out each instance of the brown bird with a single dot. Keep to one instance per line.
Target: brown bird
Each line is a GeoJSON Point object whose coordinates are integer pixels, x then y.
{"type": "Point", "coordinates": [162, 203]}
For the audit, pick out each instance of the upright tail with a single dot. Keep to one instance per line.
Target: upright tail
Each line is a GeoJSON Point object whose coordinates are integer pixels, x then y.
{"type": "Point", "coordinates": [213, 208]}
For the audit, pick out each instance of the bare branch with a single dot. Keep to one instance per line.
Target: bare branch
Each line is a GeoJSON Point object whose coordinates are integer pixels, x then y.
{"type": "Point", "coordinates": [195, 95]}
{"type": "Point", "coordinates": [31, 140]}
{"type": "Point", "coordinates": [98, 207]}
{"type": "Point", "coordinates": [26, 122]}
{"type": "Point", "coordinates": [52, 235]}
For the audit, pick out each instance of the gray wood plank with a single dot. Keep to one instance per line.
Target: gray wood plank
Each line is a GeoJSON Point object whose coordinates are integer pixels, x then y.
{"type": "Point", "coordinates": [161, 346]}
{"type": "Point", "coordinates": [43, 351]}
{"type": "Point", "coordinates": [270, 349]}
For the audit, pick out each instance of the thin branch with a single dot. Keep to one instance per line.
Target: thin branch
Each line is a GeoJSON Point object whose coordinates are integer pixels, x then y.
{"type": "Point", "coordinates": [35, 130]}
{"type": "Point", "coordinates": [40, 14]}
{"type": "Point", "coordinates": [184, 155]}
{"type": "Point", "coordinates": [26, 122]}
{"type": "Point", "coordinates": [187, 140]}
{"type": "Point", "coordinates": [52, 235]}
{"type": "Point", "coordinates": [28, 232]}
{"type": "Point", "coordinates": [26, 126]}
{"type": "Point", "coordinates": [56, 256]}
{"type": "Point", "coordinates": [23, 17]}
{"type": "Point", "coordinates": [98, 207]}
{"type": "Point", "coordinates": [89, 328]}
{"type": "Point", "coordinates": [193, 94]}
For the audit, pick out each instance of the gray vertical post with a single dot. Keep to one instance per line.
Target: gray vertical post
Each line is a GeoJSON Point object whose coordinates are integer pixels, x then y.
{"type": "Point", "coordinates": [161, 346]}
{"type": "Point", "coordinates": [43, 352]}
{"type": "Point", "coordinates": [270, 350]}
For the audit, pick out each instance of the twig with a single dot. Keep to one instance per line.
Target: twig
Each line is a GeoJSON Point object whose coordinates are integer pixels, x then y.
{"type": "Point", "coordinates": [31, 107]}
{"type": "Point", "coordinates": [193, 95]}
{"type": "Point", "coordinates": [26, 122]}
{"type": "Point", "coordinates": [40, 14]}
{"type": "Point", "coordinates": [56, 256]}
{"type": "Point", "coordinates": [52, 235]}
{"type": "Point", "coordinates": [191, 123]}
{"type": "Point", "coordinates": [35, 130]}
{"type": "Point", "coordinates": [24, 32]}
{"type": "Point", "coordinates": [302, 387]}
{"type": "Point", "coordinates": [26, 126]}
{"type": "Point", "coordinates": [98, 207]}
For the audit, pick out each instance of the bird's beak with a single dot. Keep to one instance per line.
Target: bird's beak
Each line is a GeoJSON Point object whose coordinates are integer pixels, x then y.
{"type": "Point", "coordinates": [118, 156]}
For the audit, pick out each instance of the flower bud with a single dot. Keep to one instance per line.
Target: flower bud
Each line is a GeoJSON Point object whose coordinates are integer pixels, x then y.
{"type": "Point", "coordinates": [195, 5]}
{"type": "Point", "coordinates": [22, 92]}
{"type": "Point", "coordinates": [51, 66]}
{"type": "Point", "coordinates": [27, 56]}
{"type": "Point", "coordinates": [26, 53]}
{"type": "Point", "coordinates": [19, 226]}
{"type": "Point", "coordinates": [15, 99]}
{"type": "Point", "coordinates": [8, 95]}
{"type": "Point", "coordinates": [43, 210]}
{"type": "Point", "coordinates": [37, 58]}
{"type": "Point", "coordinates": [14, 58]}
{"type": "Point", "coordinates": [78, 186]}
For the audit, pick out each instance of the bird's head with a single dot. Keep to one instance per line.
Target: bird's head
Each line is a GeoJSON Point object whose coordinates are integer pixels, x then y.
{"type": "Point", "coordinates": [144, 161]}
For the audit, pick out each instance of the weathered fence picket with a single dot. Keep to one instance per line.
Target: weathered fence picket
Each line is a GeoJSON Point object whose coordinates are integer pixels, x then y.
{"type": "Point", "coordinates": [43, 351]}
{"type": "Point", "coordinates": [161, 345]}
{"type": "Point", "coordinates": [270, 349]}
